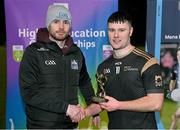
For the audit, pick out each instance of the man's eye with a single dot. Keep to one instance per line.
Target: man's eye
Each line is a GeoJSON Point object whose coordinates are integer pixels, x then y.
{"type": "Point", "coordinates": [66, 22]}
{"type": "Point", "coordinates": [111, 30]}
{"type": "Point", "coordinates": [56, 21]}
{"type": "Point", "coordinates": [121, 30]}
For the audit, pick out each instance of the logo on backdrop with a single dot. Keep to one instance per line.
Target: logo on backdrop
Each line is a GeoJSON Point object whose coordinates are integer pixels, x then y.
{"type": "Point", "coordinates": [17, 52]}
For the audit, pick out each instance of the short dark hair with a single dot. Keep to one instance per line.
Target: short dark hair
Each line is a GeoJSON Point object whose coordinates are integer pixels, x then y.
{"type": "Point", "coordinates": [120, 16]}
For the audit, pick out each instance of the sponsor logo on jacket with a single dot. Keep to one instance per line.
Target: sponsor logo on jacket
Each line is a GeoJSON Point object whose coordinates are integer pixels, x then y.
{"type": "Point", "coordinates": [129, 68]}
{"type": "Point", "coordinates": [50, 62]}
{"type": "Point", "coordinates": [107, 71]}
{"type": "Point", "coordinates": [42, 49]}
{"type": "Point", "coordinates": [158, 80]}
{"type": "Point", "coordinates": [74, 64]}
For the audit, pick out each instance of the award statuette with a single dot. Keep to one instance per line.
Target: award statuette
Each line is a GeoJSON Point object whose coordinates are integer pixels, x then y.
{"type": "Point", "coordinates": [101, 82]}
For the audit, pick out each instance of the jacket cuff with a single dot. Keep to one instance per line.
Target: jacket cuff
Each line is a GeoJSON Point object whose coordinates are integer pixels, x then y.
{"type": "Point", "coordinates": [65, 107]}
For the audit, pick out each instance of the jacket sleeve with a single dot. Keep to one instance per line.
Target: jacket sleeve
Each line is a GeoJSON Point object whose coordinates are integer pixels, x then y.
{"type": "Point", "coordinates": [85, 83]}
{"type": "Point", "coordinates": [29, 88]}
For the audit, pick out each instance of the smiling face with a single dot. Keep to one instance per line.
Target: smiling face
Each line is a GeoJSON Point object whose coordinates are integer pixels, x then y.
{"type": "Point", "coordinates": [59, 29]}
{"type": "Point", "coordinates": [119, 34]}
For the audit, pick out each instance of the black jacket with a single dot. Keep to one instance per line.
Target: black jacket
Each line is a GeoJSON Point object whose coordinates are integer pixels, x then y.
{"type": "Point", "coordinates": [49, 80]}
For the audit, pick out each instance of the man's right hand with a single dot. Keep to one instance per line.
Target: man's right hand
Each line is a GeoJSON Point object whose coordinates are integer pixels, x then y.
{"type": "Point", "coordinates": [75, 112]}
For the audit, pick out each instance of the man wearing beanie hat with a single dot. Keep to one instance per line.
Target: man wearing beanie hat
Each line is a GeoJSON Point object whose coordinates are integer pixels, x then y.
{"type": "Point", "coordinates": [57, 12]}
{"type": "Point", "coordinates": [51, 71]}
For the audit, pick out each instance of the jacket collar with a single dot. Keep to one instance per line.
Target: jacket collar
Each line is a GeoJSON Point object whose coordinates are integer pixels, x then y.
{"type": "Point", "coordinates": [43, 36]}
{"type": "Point", "coordinates": [69, 46]}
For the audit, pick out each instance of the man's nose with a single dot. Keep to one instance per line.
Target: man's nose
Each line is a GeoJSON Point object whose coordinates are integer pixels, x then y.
{"type": "Point", "coordinates": [116, 34]}
{"type": "Point", "coordinates": [61, 25]}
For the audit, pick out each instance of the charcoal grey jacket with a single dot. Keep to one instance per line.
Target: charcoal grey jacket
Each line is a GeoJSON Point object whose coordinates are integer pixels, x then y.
{"type": "Point", "coordinates": [49, 79]}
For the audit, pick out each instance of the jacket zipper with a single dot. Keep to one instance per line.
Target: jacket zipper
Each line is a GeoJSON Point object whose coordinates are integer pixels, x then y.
{"type": "Point", "coordinates": [65, 76]}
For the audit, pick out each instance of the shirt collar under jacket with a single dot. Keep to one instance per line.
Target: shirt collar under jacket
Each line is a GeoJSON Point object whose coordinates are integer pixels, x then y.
{"type": "Point", "coordinates": [68, 47]}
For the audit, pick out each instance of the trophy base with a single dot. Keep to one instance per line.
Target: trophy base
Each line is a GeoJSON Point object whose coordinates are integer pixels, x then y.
{"type": "Point", "coordinates": [99, 99]}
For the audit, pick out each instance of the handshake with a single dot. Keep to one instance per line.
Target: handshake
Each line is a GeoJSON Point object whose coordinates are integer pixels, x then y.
{"type": "Point", "coordinates": [77, 113]}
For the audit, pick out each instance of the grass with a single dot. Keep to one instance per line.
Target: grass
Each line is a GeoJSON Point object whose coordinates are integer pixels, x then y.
{"type": "Point", "coordinates": [2, 86]}
{"type": "Point", "coordinates": [168, 110]}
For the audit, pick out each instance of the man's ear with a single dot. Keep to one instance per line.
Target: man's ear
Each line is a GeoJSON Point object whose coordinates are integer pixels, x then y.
{"type": "Point", "coordinates": [131, 31]}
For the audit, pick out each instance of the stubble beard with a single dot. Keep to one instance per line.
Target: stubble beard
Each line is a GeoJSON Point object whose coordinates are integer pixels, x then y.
{"type": "Point", "coordinates": [59, 39]}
